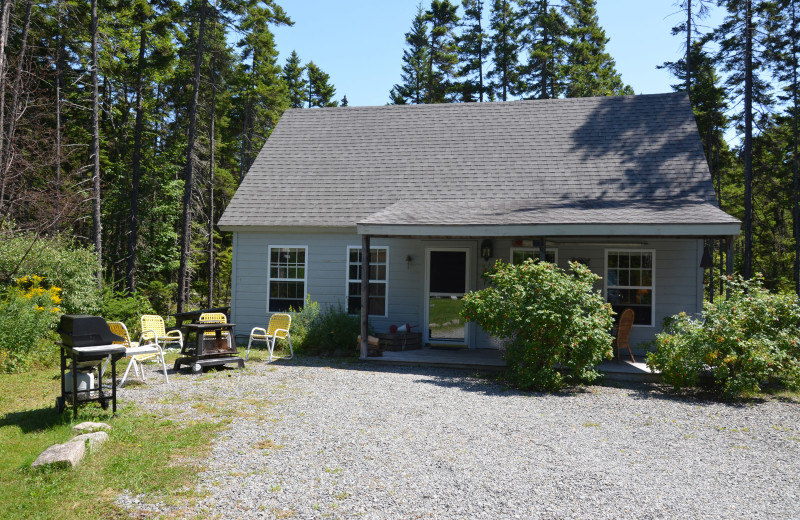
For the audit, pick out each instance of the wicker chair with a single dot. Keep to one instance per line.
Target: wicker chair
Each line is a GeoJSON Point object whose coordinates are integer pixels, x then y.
{"type": "Point", "coordinates": [278, 328]}
{"type": "Point", "coordinates": [623, 331]}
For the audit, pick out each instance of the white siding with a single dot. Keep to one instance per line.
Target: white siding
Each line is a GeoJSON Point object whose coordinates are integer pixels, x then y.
{"type": "Point", "coordinates": [677, 275]}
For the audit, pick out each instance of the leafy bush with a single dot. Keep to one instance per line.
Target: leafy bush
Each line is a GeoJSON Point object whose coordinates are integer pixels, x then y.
{"type": "Point", "coordinates": [127, 308]}
{"type": "Point", "coordinates": [742, 341]}
{"type": "Point", "coordinates": [28, 313]}
{"type": "Point", "coordinates": [332, 332]}
{"type": "Point", "coordinates": [555, 324]}
{"type": "Point", "coordinates": [60, 262]}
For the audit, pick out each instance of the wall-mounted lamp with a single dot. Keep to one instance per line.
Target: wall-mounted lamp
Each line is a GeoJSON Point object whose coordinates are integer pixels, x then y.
{"type": "Point", "coordinates": [706, 262]}
{"type": "Point", "coordinates": [409, 259]}
{"type": "Point", "coordinates": [486, 249]}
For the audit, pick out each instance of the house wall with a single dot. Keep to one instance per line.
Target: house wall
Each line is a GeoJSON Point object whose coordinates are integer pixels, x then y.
{"type": "Point", "coordinates": [678, 276]}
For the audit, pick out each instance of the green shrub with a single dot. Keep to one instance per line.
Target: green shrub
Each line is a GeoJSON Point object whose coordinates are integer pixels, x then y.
{"type": "Point", "coordinates": [127, 308]}
{"type": "Point", "coordinates": [742, 341]}
{"type": "Point", "coordinates": [29, 311]}
{"type": "Point", "coordinates": [58, 260]}
{"type": "Point", "coordinates": [555, 325]}
{"type": "Point", "coordinates": [332, 332]}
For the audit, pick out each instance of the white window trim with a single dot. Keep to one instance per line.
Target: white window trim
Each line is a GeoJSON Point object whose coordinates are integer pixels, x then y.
{"type": "Point", "coordinates": [347, 280]}
{"type": "Point", "coordinates": [651, 287]}
{"type": "Point", "coordinates": [269, 272]}
{"type": "Point", "coordinates": [534, 250]}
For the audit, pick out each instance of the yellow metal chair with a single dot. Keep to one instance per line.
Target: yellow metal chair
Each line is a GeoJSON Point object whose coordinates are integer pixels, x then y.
{"type": "Point", "coordinates": [278, 328]}
{"type": "Point", "coordinates": [216, 317]}
{"type": "Point", "coordinates": [154, 331]}
{"type": "Point", "coordinates": [137, 352]}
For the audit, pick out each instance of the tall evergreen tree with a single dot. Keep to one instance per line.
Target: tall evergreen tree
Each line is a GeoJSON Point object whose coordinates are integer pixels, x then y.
{"type": "Point", "coordinates": [544, 45]}
{"type": "Point", "coordinates": [473, 49]}
{"type": "Point", "coordinates": [320, 91]}
{"type": "Point", "coordinates": [504, 22]}
{"type": "Point", "coordinates": [442, 57]}
{"type": "Point", "coordinates": [590, 70]}
{"type": "Point", "coordinates": [783, 53]}
{"type": "Point", "coordinates": [294, 76]}
{"type": "Point", "coordinates": [741, 52]}
{"type": "Point", "coordinates": [416, 56]}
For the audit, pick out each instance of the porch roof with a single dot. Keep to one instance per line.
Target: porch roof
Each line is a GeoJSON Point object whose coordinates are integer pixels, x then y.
{"type": "Point", "coordinates": [551, 217]}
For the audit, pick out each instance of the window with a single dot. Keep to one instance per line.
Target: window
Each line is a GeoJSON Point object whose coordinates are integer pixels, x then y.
{"type": "Point", "coordinates": [519, 255]}
{"type": "Point", "coordinates": [378, 285]}
{"type": "Point", "coordinates": [287, 278]}
{"type": "Point", "coordinates": [630, 283]}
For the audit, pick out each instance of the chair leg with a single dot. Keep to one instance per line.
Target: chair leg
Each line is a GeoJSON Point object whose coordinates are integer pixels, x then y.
{"type": "Point", "coordinates": [271, 347]}
{"type": "Point", "coordinates": [164, 366]}
{"type": "Point", "coordinates": [291, 350]}
{"type": "Point", "coordinates": [249, 342]}
{"type": "Point", "coordinates": [141, 367]}
{"type": "Point", "coordinates": [125, 375]}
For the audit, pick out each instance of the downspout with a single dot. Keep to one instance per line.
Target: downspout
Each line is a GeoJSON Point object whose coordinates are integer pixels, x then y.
{"type": "Point", "coordinates": [364, 294]}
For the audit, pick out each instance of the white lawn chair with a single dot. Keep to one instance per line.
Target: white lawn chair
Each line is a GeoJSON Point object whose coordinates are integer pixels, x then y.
{"type": "Point", "coordinates": [278, 328]}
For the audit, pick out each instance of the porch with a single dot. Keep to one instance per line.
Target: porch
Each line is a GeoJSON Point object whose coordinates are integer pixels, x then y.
{"type": "Point", "coordinates": [490, 360]}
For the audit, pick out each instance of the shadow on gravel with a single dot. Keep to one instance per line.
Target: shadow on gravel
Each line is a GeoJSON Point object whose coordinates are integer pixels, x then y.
{"type": "Point", "coordinates": [698, 397]}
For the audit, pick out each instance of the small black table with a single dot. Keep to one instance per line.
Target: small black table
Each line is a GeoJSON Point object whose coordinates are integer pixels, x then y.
{"type": "Point", "coordinates": [207, 350]}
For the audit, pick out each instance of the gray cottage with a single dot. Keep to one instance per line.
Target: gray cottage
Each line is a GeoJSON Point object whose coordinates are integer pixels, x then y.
{"type": "Point", "coordinates": [438, 193]}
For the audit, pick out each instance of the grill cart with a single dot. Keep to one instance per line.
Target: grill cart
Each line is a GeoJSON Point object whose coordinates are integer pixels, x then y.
{"type": "Point", "coordinates": [86, 343]}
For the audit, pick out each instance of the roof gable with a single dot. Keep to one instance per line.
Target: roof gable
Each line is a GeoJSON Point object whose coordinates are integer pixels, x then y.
{"type": "Point", "coordinates": [338, 166]}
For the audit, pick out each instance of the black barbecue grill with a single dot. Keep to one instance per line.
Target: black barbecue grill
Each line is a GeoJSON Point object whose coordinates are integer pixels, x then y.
{"type": "Point", "coordinates": [87, 342]}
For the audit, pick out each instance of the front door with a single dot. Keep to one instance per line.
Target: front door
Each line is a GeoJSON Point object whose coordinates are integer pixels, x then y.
{"type": "Point", "coordinates": [446, 285]}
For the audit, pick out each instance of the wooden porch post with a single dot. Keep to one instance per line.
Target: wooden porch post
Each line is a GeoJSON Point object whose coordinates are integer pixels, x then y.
{"type": "Point", "coordinates": [364, 294]}
{"type": "Point", "coordinates": [542, 249]}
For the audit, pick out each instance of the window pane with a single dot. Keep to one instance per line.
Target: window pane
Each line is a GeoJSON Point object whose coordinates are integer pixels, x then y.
{"type": "Point", "coordinates": [624, 260]}
{"type": "Point", "coordinates": [636, 277]}
{"type": "Point", "coordinates": [647, 260]}
{"type": "Point", "coordinates": [636, 260]}
{"type": "Point", "coordinates": [612, 260]}
{"type": "Point", "coordinates": [647, 277]}
{"type": "Point", "coordinates": [624, 277]}
{"type": "Point", "coordinates": [613, 277]}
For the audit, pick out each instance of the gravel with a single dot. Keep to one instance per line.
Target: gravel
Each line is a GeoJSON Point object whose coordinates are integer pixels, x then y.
{"type": "Point", "coordinates": [311, 438]}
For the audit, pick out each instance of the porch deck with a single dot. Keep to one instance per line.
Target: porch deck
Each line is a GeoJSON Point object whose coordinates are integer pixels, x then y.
{"type": "Point", "coordinates": [491, 360]}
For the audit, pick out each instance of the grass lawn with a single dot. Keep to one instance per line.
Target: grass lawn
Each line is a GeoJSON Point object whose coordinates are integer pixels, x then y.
{"type": "Point", "coordinates": [144, 453]}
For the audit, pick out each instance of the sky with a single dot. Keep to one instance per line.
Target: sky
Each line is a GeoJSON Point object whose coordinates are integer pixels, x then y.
{"type": "Point", "coordinates": [360, 43]}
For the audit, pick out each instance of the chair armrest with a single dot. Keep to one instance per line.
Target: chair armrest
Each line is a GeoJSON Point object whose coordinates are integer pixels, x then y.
{"type": "Point", "coordinates": [282, 330]}
{"type": "Point", "coordinates": [175, 334]}
{"type": "Point", "coordinates": [153, 339]}
{"type": "Point", "coordinates": [261, 331]}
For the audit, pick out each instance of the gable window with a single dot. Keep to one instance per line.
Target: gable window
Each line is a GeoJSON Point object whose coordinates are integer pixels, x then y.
{"type": "Point", "coordinates": [520, 254]}
{"type": "Point", "coordinates": [378, 280]}
{"type": "Point", "coordinates": [287, 278]}
{"type": "Point", "coordinates": [630, 282]}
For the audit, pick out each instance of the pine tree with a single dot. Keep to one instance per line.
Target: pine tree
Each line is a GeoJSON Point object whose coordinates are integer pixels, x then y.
{"type": "Point", "coordinates": [741, 56]}
{"type": "Point", "coordinates": [473, 48]}
{"type": "Point", "coordinates": [294, 76]}
{"type": "Point", "coordinates": [320, 91]}
{"type": "Point", "coordinates": [544, 47]}
{"type": "Point", "coordinates": [416, 56]}
{"type": "Point", "coordinates": [504, 23]}
{"type": "Point", "coordinates": [442, 57]}
{"type": "Point", "coordinates": [589, 69]}
{"type": "Point", "coordinates": [344, 102]}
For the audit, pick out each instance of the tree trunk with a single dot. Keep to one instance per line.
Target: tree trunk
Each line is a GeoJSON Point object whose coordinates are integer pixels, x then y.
{"type": "Point", "coordinates": [188, 170]}
{"type": "Point", "coordinates": [795, 173]}
{"type": "Point", "coordinates": [211, 163]}
{"type": "Point", "coordinates": [689, 48]}
{"type": "Point", "coordinates": [133, 231]}
{"type": "Point", "coordinates": [95, 151]}
{"type": "Point", "coordinates": [747, 269]}
{"type": "Point", "coordinates": [5, 16]}
{"type": "Point", "coordinates": [59, 106]}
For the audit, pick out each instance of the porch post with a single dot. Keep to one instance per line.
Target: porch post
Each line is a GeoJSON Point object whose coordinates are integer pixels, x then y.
{"type": "Point", "coordinates": [542, 249]}
{"type": "Point", "coordinates": [364, 294]}
{"type": "Point", "coordinates": [729, 254]}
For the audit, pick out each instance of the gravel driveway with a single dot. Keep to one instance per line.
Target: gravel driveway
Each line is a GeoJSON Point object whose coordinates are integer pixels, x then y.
{"type": "Point", "coordinates": [311, 439]}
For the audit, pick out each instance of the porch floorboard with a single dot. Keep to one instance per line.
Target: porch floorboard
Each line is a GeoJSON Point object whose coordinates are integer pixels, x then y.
{"type": "Point", "coordinates": [487, 359]}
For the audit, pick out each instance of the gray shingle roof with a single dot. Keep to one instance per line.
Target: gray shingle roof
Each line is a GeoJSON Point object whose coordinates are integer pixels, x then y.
{"type": "Point", "coordinates": [339, 166]}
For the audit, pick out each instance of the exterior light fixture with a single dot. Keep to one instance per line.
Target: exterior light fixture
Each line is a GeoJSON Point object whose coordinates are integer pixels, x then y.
{"type": "Point", "coordinates": [486, 249]}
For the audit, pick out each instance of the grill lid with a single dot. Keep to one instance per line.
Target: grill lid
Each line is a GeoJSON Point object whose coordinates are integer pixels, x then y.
{"type": "Point", "coordinates": [78, 330]}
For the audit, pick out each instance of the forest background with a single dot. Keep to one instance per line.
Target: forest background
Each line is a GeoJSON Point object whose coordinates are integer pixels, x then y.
{"type": "Point", "coordinates": [127, 125]}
